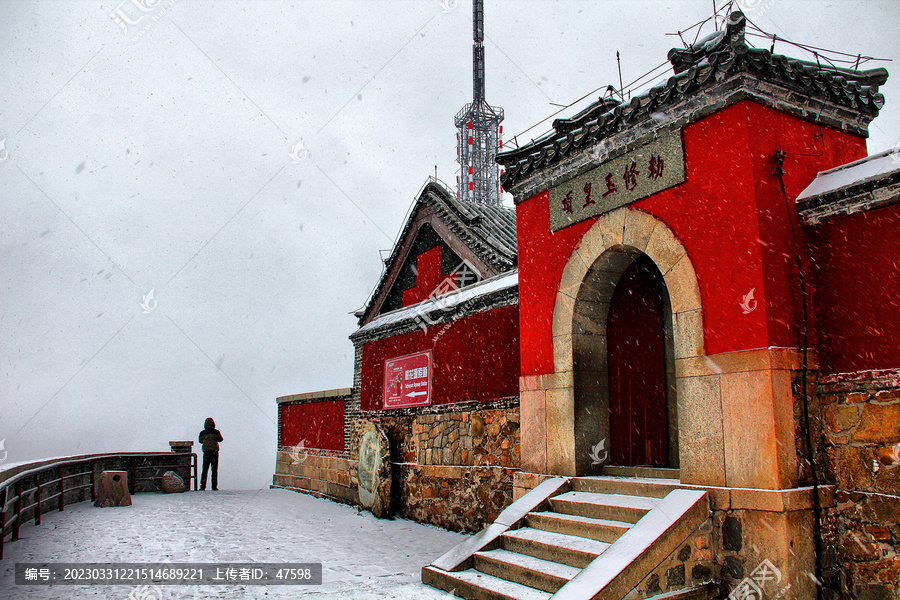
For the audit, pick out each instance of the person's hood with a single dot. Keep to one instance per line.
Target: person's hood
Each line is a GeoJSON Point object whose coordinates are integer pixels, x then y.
{"type": "Point", "coordinates": [209, 423]}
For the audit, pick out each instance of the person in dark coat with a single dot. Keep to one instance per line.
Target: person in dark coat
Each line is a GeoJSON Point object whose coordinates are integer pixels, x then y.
{"type": "Point", "coordinates": [209, 439]}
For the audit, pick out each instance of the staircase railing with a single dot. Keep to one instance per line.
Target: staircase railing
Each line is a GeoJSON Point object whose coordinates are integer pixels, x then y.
{"type": "Point", "coordinates": [49, 485]}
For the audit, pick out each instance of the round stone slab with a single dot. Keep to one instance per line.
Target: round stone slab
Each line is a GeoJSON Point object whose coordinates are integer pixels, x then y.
{"type": "Point", "coordinates": [374, 471]}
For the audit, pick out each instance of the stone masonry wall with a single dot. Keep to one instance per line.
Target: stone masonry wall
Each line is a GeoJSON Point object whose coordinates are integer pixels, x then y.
{"type": "Point", "coordinates": [453, 465]}
{"type": "Point", "coordinates": [690, 565]}
{"type": "Point", "coordinates": [862, 445]}
{"type": "Point", "coordinates": [318, 473]}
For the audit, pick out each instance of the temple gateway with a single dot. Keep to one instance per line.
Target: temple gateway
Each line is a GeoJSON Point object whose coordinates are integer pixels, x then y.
{"type": "Point", "coordinates": [672, 370]}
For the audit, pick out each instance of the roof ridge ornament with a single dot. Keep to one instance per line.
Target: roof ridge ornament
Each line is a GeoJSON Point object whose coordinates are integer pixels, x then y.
{"type": "Point", "coordinates": [591, 112]}
{"type": "Point", "coordinates": [733, 37]}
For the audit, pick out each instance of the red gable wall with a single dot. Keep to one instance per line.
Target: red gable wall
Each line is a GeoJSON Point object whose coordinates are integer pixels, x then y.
{"type": "Point", "coordinates": [428, 276]}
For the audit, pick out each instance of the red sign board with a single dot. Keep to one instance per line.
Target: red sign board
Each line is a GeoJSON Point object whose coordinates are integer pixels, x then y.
{"type": "Point", "coordinates": [407, 380]}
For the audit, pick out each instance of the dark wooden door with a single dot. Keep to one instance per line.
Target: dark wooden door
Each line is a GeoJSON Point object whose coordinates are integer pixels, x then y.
{"type": "Point", "coordinates": [637, 368]}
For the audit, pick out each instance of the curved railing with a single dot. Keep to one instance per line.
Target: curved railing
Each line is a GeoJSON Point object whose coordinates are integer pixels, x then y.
{"type": "Point", "coordinates": [31, 490]}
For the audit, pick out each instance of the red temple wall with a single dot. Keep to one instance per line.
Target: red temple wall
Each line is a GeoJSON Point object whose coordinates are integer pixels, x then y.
{"type": "Point", "coordinates": [857, 291]}
{"type": "Point", "coordinates": [730, 216]}
{"type": "Point", "coordinates": [317, 425]}
{"type": "Point", "coordinates": [473, 358]}
{"type": "Point", "coordinates": [428, 277]}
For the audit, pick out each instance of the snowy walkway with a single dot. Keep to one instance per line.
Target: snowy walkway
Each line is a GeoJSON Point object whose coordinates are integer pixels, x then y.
{"type": "Point", "coordinates": [363, 557]}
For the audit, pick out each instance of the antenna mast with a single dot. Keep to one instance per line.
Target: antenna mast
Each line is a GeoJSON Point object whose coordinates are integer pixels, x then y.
{"type": "Point", "coordinates": [478, 138]}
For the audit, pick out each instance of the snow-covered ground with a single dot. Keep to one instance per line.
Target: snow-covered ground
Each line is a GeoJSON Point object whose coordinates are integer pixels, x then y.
{"type": "Point", "coordinates": [363, 557]}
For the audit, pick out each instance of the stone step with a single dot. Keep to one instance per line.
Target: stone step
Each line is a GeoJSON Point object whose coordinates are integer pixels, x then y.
{"type": "Point", "coordinates": [617, 507]}
{"type": "Point", "coordinates": [475, 585]}
{"type": "Point", "coordinates": [653, 488]}
{"type": "Point", "coordinates": [578, 539]}
{"type": "Point", "coordinates": [569, 550]}
{"type": "Point", "coordinates": [602, 530]}
{"type": "Point", "coordinates": [527, 570]}
{"type": "Point", "coordinates": [641, 549]}
{"type": "Point", "coordinates": [646, 472]}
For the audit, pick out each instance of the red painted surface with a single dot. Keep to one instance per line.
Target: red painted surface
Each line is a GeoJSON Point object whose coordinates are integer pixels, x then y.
{"type": "Point", "coordinates": [474, 358]}
{"type": "Point", "coordinates": [428, 276]}
{"type": "Point", "coordinates": [637, 368]}
{"type": "Point", "coordinates": [407, 380]}
{"type": "Point", "coordinates": [316, 425]}
{"type": "Point", "coordinates": [730, 216]}
{"type": "Point", "coordinates": [857, 295]}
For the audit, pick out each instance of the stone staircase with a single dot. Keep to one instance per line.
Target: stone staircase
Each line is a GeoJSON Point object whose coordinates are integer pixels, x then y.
{"type": "Point", "coordinates": [581, 538]}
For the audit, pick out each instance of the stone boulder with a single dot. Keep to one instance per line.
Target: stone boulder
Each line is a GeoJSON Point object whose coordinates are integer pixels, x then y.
{"type": "Point", "coordinates": [172, 483]}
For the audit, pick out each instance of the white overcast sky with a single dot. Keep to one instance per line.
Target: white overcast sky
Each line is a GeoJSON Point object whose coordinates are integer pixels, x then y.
{"type": "Point", "coordinates": [163, 163]}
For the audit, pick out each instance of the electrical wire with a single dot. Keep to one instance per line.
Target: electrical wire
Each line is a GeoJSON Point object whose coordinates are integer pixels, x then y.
{"type": "Point", "coordinates": [818, 53]}
{"type": "Point", "coordinates": [628, 88]}
{"type": "Point", "coordinates": [814, 50]}
{"type": "Point", "coordinates": [804, 340]}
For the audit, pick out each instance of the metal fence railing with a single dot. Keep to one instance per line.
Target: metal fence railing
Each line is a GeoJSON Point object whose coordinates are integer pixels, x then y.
{"type": "Point", "coordinates": [52, 485]}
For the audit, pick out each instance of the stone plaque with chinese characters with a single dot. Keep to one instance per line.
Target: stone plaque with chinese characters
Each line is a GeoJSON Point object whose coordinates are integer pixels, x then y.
{"type": "Point", "coordinates": [637, 174]}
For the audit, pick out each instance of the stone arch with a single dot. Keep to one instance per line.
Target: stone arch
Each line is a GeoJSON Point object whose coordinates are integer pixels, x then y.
{"type": "Point", "coordinates": [579, 327]}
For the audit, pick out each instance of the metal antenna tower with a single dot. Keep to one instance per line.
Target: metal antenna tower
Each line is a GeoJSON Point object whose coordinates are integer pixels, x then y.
{"type": "Point", "coordinates": [479, 131]}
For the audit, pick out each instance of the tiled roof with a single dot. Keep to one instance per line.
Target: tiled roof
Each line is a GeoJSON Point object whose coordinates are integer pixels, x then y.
{"type": "Point", "coordinates": [861, 185]}
{"type": "Point", "coordinates": [488, 231]}
{"type": "Point", "coordinates": [492, 229]}
{"type": "Point", "coordinates": [720, 56]}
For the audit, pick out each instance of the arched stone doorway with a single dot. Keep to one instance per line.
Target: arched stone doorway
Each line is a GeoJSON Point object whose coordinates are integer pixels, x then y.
{"type": "Point", "coordinates": [624, 365]}
{"type": "Point", "coordinates": [581, 343]}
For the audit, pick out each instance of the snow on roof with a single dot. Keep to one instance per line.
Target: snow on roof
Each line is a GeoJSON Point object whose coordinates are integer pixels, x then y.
{"type": "Point", "coordinates": [865, 170]}
{"type": "Point", "coordinates": [446, 302]}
